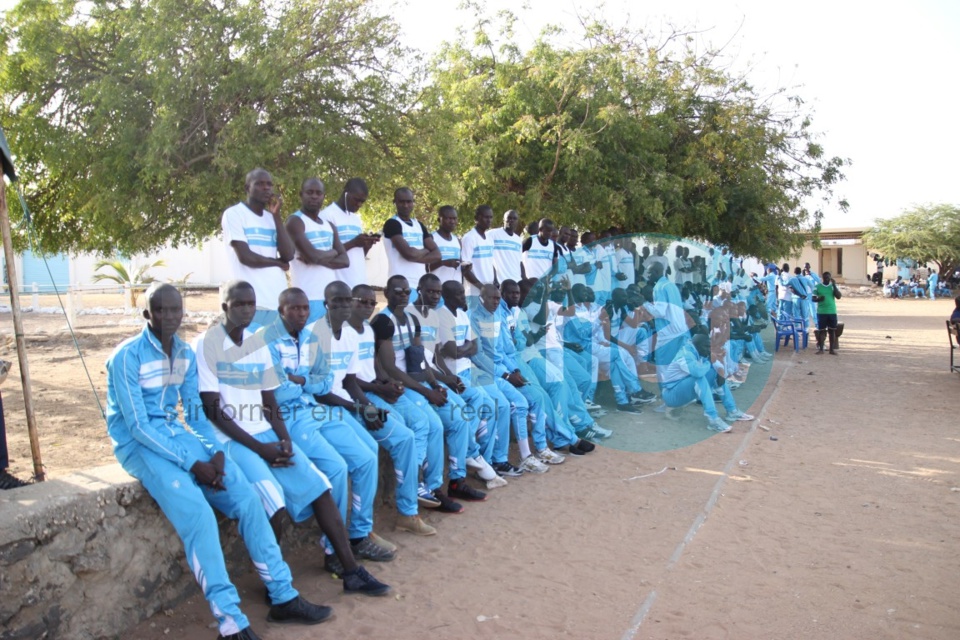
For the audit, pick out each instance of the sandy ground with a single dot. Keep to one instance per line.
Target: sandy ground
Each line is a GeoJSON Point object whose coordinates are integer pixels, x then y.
{"type": "Point", "coordinates": [838, 522]}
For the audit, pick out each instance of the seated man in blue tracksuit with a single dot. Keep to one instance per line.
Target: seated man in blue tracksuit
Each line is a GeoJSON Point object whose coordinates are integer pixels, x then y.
{"type": "Point", "coordinates": [397, 335]}
{"type": "Point", "coordinates": [403, 420]}
{"type": "Point", "coordinates": [691, 376]}
{"type": "Point", "coordinates": [557, 428]}
{"type": "Point", "coordinates": [237, 377]}
{"type": "Point", "coordinates": [454, 347]}
{"type": "Point", "coordinates": [187, 472]}
{"type": "Point", "coordinates": [487, 413]}
{"type": "Point", "coordinates": [492, 366]}
{"type": "Point", "coordinates": [589, 327]}
{"type": "Point", "coordinates": [539, 341]}
{"type": "Point", "coordinates": [566, 413]}
{"type": "Point", "coordinates": [338, 447]}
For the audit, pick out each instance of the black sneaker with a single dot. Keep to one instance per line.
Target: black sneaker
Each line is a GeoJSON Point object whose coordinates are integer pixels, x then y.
{"type": "Point", "coordinates": [332, 564]}
{"type": "Point", "coordinates": [446, 504]}
{"type": "Point", "coordinates": [507, 469]}
{"type": "Point", "coordinates": [360, 581]}
{"type": "Point", "coordinates": [245, 634]}
{"type": "Point", "coordinates": [643, 397]}
{"type": "Point", "coordinates": [462, 491]}
{"type": "Point", "coordinates": [367, 549]}
{"type": "Point", "coordinates": [10, 481]}
{"type": "Point", "coordinates": [298, 611]}
{"type": "Point", "coordinates": [628, 408]}
{"type": "Point", "coordinates": [575, 450]}
{"type": "Point", "coordinates": [585, 445]}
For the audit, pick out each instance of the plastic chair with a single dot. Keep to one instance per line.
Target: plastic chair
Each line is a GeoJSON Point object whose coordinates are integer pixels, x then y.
{"type": "Point", "coordinates": [786, 329]}
{"type": "Point", "coordinates": [802, 326]}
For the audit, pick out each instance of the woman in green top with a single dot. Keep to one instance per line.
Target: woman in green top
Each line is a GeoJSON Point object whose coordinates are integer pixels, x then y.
{"type": "Point", "coordinates": [826, 295]}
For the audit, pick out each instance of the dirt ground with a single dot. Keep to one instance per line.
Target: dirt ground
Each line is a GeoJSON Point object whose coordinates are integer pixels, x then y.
{"type": "Point", "coordinates": [831, 516]}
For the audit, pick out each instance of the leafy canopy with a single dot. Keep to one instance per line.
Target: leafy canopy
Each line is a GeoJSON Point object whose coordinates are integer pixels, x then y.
{"type": "Point", "coordinates": [926, 233]}
{"type": "Point", "coordinates": [135, 121]}
{"type": "Point", "coordinates": [625, 129]}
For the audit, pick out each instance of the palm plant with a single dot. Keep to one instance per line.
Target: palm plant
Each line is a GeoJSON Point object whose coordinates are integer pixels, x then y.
{"type": "Point", "coordinates": [119, 273]}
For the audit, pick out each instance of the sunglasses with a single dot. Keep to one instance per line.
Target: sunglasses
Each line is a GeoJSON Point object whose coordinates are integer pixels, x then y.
{"type": "Point", "coordinates": [401, 292]}
{"type": "Point", "coordinates": [365, 302]}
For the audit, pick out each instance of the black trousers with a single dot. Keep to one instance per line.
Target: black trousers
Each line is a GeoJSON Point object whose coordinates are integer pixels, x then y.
{"type": "Point", "coordinates": [4, 456]}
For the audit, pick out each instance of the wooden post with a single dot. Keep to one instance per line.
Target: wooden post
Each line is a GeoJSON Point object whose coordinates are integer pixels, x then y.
{"type": "Point", "coordinates": [38, 473]}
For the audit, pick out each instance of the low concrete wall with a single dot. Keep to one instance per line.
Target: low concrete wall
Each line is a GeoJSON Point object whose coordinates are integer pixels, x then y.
{"type": "Point", "coordinates": [89, 555]}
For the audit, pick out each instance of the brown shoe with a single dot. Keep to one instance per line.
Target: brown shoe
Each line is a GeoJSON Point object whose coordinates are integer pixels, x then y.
{"type": "Point", "coordinates": [382, 542]}
{"type": "Point", "coordinates": [415, 525]}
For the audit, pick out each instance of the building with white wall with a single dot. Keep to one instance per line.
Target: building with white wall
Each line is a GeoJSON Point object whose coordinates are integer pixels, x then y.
{"type": "Point", "coordinates": [201, 265]}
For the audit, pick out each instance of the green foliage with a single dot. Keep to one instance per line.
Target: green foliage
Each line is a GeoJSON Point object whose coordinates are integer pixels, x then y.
{"type": "Point", "coordinates": [926, 233]}
{"type": "Point", "coordinates": [625, 130]}
{"type": "Point", "coordinates": [135, 121]}
{"type": "Point", "coordinates": [119, 273]}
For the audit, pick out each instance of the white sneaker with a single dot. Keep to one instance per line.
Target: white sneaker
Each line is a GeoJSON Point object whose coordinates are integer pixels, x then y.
{"type": "Point", "coordinates": [484, 470]}
{"type": "Point", "coordinates": [591, 405]}
{"type": "Point", "coordinates": [530, 464]}
{"type": "Point", "coordinates": [595, 431]}
{"type": "Point", "coordinates": [739, 416]}
{"type": "Point", "coordinates": [550, 457]}
{"type": "Point", "coordinates": [717, 424]}
{"type": "Point", "coordinates": [496, 482]}
{"type": "Point", "coordinates": [598, 413]}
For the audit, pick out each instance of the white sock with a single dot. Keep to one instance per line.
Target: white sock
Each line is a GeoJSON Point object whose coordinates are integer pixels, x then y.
{"type": "Point", "coordinates": [524, 449]}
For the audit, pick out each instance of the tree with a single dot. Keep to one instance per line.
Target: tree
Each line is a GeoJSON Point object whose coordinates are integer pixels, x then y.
{"type": "Point", "coordinates": [134, 121]}
{"type": "Point", "coordinates": [926, 233]}
{"type": "Point", "coordinates": [623, 129]}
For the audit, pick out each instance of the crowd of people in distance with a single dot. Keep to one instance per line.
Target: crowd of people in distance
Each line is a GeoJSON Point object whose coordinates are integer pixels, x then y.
{"type": "Point", "coordinates": [917, 287]}
{"type": "Point", "coordinates": [492, 336]}
{"type": "Point", "coordinates": [912, 280]}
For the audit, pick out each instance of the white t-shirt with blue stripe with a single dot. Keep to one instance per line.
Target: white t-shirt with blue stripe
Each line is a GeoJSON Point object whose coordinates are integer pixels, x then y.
{"type": "Point", "coordinates": [313, 278]}
{"type": "Point", "coordinates": [260, 234]}
{"type": "Point", "coordinates": [506, 254]}
{"type": "Point", "coordinates": [478, 250]}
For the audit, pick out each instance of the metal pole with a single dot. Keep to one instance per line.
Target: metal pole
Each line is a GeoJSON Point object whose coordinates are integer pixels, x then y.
{"type": "Point", "coordinates": [38, 473]}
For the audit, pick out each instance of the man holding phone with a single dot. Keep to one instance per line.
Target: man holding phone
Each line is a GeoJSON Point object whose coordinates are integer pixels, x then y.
{"type": "Point", "coordinates": [343, 215]}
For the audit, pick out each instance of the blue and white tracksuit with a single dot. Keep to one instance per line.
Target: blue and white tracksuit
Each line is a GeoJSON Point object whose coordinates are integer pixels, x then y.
{"type": "Point", "coordinates": [330, 437]}
{"type": "Point", "coordinates": [553, 394]}
{"type": "Point", "coordinates": [691, 377]}
{"type": "Point", "coordinates": [144, 387]}
{"type": "Point", "coordinates": [445, 424]}
{"type": "Point", "coordinates": [489, 370]}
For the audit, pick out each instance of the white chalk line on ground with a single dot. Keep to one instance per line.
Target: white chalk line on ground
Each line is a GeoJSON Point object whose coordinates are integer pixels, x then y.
{"type": "Point", "coordinates": [644, 609]}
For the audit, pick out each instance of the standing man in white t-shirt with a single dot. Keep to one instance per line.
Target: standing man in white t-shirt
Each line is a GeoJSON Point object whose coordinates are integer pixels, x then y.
{"type": "Point", "coordinates": [540, 252]}
{"type": "Point", "coordinates": [343, 215]}
{"type": "Point", "coordinates": [448, 244]}
{"type": "Point", "coordinates": [477, 255]}
{"type": "Point", "coordinates": [319, 250]}
{"type": "Point", "coordinates": [259, 249]}
{"type": "Point", "coordinates": [410, 247]}
{"type": "Point", "coordinates": [506, 249]}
